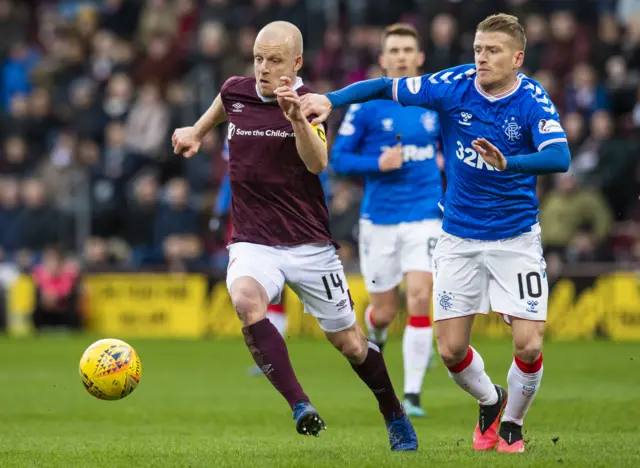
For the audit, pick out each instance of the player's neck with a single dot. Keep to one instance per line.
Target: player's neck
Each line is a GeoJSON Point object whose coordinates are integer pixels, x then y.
{"type": "Point", "coordinates": [500, 87]}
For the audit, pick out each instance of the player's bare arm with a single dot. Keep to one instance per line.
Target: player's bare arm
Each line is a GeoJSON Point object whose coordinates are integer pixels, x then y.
{"type": "Point", "coordinates": [310, 140]}
{"type": "Point", "coordinates": [186, 140]}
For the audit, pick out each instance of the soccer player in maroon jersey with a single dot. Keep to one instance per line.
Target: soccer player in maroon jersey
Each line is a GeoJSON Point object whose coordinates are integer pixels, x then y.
{"type": "Point", "coordinates": [281, 227]}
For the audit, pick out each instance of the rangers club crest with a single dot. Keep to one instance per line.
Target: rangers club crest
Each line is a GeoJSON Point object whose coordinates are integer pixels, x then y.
{"type": "Point", "coordinates": [512, 129]}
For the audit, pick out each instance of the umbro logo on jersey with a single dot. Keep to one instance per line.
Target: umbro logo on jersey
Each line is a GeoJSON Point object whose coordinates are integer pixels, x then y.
{"type": "Point", "coordinates": [237, 107]}
{"type": "Point", "coordinates": [387, 125]}
{"type": "Point", "coordinates": [466, 116]}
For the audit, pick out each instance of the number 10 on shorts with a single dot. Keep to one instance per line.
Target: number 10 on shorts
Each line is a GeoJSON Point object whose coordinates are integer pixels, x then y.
{"type": "Point", "coordinates": [533, 284]}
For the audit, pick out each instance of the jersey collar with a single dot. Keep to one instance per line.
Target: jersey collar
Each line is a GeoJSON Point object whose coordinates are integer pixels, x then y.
{"type": "Point", "coordinates": [296, 85]}
{"type": "Point", "coordinates": [497, 97]}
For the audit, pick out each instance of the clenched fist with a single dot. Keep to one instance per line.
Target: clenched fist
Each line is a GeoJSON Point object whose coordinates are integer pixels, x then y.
{"type": "Point", "coordinates": [186, 141]}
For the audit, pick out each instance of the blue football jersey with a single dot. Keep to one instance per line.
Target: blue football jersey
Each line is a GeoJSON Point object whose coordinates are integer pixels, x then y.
{"type": "Point", "coordinates": [481, 202]}
{"type": "Point", "coordinates": [408, 194]}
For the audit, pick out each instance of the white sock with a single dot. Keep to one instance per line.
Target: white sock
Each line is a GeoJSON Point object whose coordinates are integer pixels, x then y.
{"type": "Point", "coordinates": [469, 374]}
{"type": "Point", "coordinates": [417, 345]}
{"type": "Point", "coordinates": [377, 335]}
{"type": "Point", "coordinates": [279, 320]}
{"type": "Point", "coordinates": [524, 382]}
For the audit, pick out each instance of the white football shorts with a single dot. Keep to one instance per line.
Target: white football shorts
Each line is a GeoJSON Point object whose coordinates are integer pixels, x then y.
{"type": "Point", "coordinates": [313, 271]}
{"type": "Point", "coordinates": [388, 252]}
{"type": "Point", "coordinates": [507, 276]}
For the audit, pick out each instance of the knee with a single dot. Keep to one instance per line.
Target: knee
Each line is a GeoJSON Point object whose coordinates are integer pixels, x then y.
{"type": "Point", "coordinates": [382, 315]}
{"type": "Point", "coordinates": [352, 344]}
{"type": "Point", "coordinates": [418, 301]}
{"type": "Point", "coordinates": [529, 350]}
{"type": "Point", "coordinates": [452, 353]}
{"type": "Point", "coordinates": [248, 303]}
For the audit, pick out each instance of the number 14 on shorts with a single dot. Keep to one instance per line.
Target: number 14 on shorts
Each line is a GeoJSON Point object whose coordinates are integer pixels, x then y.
{"type": "Point", "coordinates": [335, 280]}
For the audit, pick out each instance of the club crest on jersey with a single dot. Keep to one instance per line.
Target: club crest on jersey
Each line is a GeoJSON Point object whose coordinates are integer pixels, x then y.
{"type": "Point", "coordinates": [428, 121]}
{"type": "Point", "coordinates": [466, 117]}
{"type": "Point", "coordinates": [512, 129]}
{"type": "Point", "coordinates": [387, 125]}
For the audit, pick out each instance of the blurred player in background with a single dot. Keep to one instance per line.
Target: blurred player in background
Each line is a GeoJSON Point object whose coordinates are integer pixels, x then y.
{"type": "Point", "coordinates": [281, 227]}
{"type": "Point", "coordinates": [394, 149]}
{"type": "Point", "coordinates": [220, 224]}
{"type": "Point", "coordinates": [490, 254]}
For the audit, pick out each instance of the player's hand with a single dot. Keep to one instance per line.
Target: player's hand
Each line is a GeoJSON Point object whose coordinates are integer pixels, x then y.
{"type": "Point", "coordinates": [185, 141]}
{"type": "Point", "coordinates": [289, 100]}
{"type": "Point", "coordinates": [490, 153]}
{"type": "Point", "coordinates": [391, 159]}
{"type": "Point", "coordinates": [317, 104]}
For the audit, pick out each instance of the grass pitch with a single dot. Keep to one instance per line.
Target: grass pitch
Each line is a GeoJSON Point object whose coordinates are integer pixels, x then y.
{"type": "Point", "coordinates": [196, 406]}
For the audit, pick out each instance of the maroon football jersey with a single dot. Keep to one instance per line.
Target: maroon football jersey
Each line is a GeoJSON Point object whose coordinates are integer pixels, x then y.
{"type": "Point", "coordinates": [275, 200]}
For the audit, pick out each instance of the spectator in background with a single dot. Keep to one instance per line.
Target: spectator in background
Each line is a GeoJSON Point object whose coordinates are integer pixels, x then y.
{"type": "Point", "coordinates": [16, 70]}
{"type": "Point", "coordinates": [41, 123]}
{"type": "Point", "coordinates": [177, 226]}
{"type": "Point", "coordinates": [119, 98]}
{"type": "Point", "coordinates": [584, 93]}
{"type": "Point", "coordinates": [160, 63]}
{"type": "Point", "coordinates": [9, 212]}
{"type": "Point", "coordinates": [569, 45]}
{"type": "Point", "coordinates": [17, 120]}
{"type": "Point", "coordinates": [147, 124]}
{"type": "Point", "coordinates": [109, 172]}
{"type": "Point", "coordinates": [537, 34]}
{"type": "Point", "coordinates": [442, 51]}
{"type": "Point", "coordinates": [15, 158]}
{"type": "Point", "coordinates": [38, 224]}
{"type": "Point", "coordinates": [56, 302]}
{"type": "Point", "coordinates": [568, 208]}
{"type": "Point", "coordinates": [140, 222]}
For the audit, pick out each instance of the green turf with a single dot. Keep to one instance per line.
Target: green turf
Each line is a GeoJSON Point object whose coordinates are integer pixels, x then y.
{"type": "Point", "coordinates": [196, 406]}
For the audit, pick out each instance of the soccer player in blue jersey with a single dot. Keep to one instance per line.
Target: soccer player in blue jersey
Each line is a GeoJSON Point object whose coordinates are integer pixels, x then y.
{"type": "Point", "coordinates": [394, 149]}
{"type": "Point", "coordinates": [500, 131]}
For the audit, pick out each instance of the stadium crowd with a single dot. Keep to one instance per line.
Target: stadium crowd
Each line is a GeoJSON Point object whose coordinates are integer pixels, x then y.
{"type": "Point", "coordinates": [90, 91]}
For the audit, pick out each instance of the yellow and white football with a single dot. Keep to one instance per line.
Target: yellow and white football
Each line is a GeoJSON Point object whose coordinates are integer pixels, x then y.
{"type": "Point", "coordinates": [110, 369]}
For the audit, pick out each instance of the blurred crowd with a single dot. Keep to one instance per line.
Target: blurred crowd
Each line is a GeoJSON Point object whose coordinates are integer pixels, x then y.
{"type": "Point", "coordinates": [90, 91]}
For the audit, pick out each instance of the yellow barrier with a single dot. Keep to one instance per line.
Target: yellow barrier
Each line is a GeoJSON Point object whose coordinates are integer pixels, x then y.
{"type": "Point", "coordinates": [164, 305]}
{"type": "Point", "coordinates": [146, 305]}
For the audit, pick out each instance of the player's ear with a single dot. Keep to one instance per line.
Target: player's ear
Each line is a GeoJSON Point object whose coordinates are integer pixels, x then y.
{"type": "Point", "coordinates": [297, 65]}
{"type": "Point", "coordinates": [420, 59]}
{"type": "Point", "coordinates": [518, 59]}
{"type": "Point", "coordinates": [382, 62]}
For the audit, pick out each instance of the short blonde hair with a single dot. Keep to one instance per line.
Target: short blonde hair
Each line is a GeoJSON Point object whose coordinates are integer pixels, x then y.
{"type": "Point", "coordinates": [504, 23]}
{"type": "Point", "coordinates": [401, 29]}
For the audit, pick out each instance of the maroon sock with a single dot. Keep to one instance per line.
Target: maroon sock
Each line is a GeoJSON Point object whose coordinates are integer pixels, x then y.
{"type": "Point", "coordinates": [270, 353]}
{"type": "Point", "coordinates": [373, 372]}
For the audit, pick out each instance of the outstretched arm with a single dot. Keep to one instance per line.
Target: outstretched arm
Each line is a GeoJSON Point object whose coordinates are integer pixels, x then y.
{"type": "Point", "coordinates": [554, 157]}
{"type": "Point", "coordinates": [186, 140]}
{"type": "Point", "coordinates": [321, 105]}
{"type": "Point", "coordinates": [311, 140]}
{"type": "Point", "coordinates": [213, 117]}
